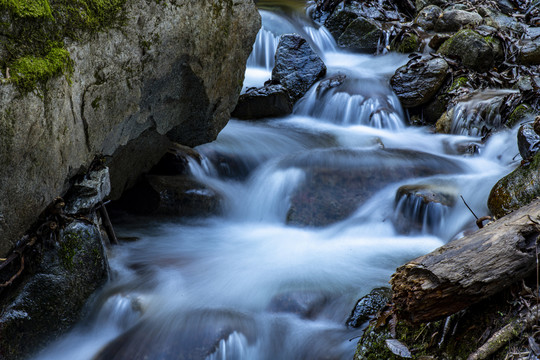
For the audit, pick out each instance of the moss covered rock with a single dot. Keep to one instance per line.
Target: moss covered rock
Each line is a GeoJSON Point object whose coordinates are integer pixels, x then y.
{"type": "Point", "coordinates": [474, 50]}
{"type": "Point", "coordinates": [159, 71]}
{"type": "Point", "coordinates": [48, 303]}
{"type": "Point", "coordinates": [517, 189]}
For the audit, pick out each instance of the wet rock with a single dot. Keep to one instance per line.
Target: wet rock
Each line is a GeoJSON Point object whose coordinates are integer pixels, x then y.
{"type": "Point", "coordinates": [517, 189]}
{"type": "Point", "coordinates": [363, 35]}
{"type": "Point", "coordinates": [305, 304]}
{"type": "Point", "coordinates": [528, 141]}
{"type": "Point", "coordinates": [500, 21]}
{"type": "Point", "coordinates": [428, 16]}
{"type": "Point", "coordinates": [536, 125]}
{"type": "Point", "coordinates": [417, 82]}
{"type": "Point", "coordinates": [89, 191]}
{"type": "Point", "coordinates": [369, 305]}
{"type": "Point", "coordinates": [263, 102]}
{"type": "Point", "coordinates": [454, 20]}
{"type": "Point", "coordinates": [422, 208]}
{"type": "Point", "coordinates": [340, 20]}
{"type": "Point", "coordinates": [191, 337]}
{"type": "Point", "coordinates": [232, 165]}
{"type": "Point", "coordinates": [437, 40]}
{"type": "Point", "coordinates": [408, 43]}
{"type": "Point", "coordinates": [176, 160]}
{"type": "Point", "coordinates": [48, 303]}
{"type": "Point", "coordinates": [169, 195]}
{"type": "Point", "coordinates": [474, 50]}
{"type": "Point", "coordinates": [333, 189]}
{"type": "Point", "coordinates": [530, 52]}
{"type": "Point", "coordinates": [297, 66]}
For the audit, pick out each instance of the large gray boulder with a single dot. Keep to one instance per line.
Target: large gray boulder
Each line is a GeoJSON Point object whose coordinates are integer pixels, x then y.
{"type": "Point", "coordinates": [454, 20]}
{"type": "Point", "coordinates": [173, 71]}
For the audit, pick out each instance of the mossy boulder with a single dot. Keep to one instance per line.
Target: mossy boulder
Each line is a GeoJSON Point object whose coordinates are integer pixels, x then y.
{"type": "Point", "coordinates": [407, 44]}
{"type": "Point", "coordinates": [521, 113]}
{"type": "Point", "coordinates": [428, 16]}
{"type": "Point", "coordinates": [50, 301]}
{"type": "Point", "coordinates": [114, 78]}
{"type": "Point", "coordinates": [362, 35]}
{"type": "Point", "coordinates": [517, 189]}
{"type": "Point", "coordinates": [475, 51]}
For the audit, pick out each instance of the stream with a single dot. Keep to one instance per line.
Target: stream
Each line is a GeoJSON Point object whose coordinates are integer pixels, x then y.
{"type": "Point", "coordinates": [252, 284]}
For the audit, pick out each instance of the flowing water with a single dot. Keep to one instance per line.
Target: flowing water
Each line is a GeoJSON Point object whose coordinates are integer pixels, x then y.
{"type": "Point", "coordinates": [248, 284]}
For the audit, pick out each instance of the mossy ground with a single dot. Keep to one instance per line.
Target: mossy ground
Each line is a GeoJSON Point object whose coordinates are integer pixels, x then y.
{"type": "Point", "coordinates": [32, 34]}
{"type": "Point", "coordinates": [464, 332]}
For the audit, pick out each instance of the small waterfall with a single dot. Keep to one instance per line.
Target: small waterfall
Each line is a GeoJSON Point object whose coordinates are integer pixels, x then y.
{"type": "Point", "coordinates": [479, 115]}
{"type": "Point", "coordinates": [232, 348]}
{"type": "Point", "coordinates": [264, 50]}
{"type": "Point", "coordinates": [350, 104]}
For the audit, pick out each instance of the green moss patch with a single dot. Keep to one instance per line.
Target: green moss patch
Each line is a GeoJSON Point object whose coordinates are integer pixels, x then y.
{"type": "Point", "coordinates": [33, 33]}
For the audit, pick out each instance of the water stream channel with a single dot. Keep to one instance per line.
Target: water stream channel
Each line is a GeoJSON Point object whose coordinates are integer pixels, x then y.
{"type": "Point", "coordinates": [250, 284]}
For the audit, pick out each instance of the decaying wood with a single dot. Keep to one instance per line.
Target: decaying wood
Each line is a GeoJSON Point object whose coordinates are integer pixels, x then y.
{"type": "Point", "coordinates": [108, 225]}
{"type": "Point", "coordinates": [468, 270]}
{"type": "Point", "coordinates": [507, 333]}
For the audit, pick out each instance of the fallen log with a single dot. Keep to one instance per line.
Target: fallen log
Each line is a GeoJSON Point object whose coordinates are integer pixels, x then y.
{"type": "Point", "coordinates": [469, 269]}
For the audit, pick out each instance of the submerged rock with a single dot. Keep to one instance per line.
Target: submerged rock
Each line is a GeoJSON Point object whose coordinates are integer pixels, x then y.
{"type": "Point", "coordinates": [50, 301]}
{"type": "Point", "coordinates": [297, 66]}
{"type": "Point", "coordinates": [517, 189]}
{"type": "Point", "coordinates": [267, 101]}
{"type": "Point", "coordinates": [334, 188]}
{"type": "Point", "coordinates": [422, 208]}
{"type": "Point", "coordinates": [417, 82]}
{"type": "Point", "coordinates": [306, 304]}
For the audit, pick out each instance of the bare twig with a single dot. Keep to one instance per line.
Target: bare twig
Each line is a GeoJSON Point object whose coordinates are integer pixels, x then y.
{"type": "Point", "coordinates": [10, 281]}
{"type": "Point", "coordinates": [108, 225]}
{"type": "Point", "coordinates": [467, 205]}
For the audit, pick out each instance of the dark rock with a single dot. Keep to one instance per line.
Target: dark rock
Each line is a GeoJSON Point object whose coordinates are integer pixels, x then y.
{"type": "Point", "coordinates": [417, 82]}
{"type": "Point", "coordinates": [437, 40]}
{"type": "Point", "coordinates": [530, 52]}
{"type": "Point", "coordinates": [369, 305]}
{"type": "Point", "coordinates": [517, 189]}
{"type": "Point", "coordinates": [89, 191]}
{"type": "Point", "coordinates": [428, 16]}
{"type": "Point", "coordinates": [338, 181]}
{"type": "Point", "coordinates": [232, 165]}
{"type": "Point", "coordinates": [500, 21]}
{"type": "Point", "coordinates": [297, 66]}
{"type": "Point", "coordinates": [454, 20]}
{"type": "Point", "coordinates": [169, 195]}
{"type": "Point", "coordinates": [444, 124]}
{"type": "Point", "coordinates": [422, 208]}
{"type": "Point", "coordinates": [536, 125]}
{"type": "Point", "coordinates": [50, 301]}
{"type": "Point", "coordinates": [175, 161]}
{"type": "Point", "coordinates": [340, 20]}
{"type": "Point", "coordinates": [474, 50]}
{"type": "Point", "coordinates": [528, 141]}
{"type": "Point", "coordinates": [363, 35]}
{"type": "Point", "coordinates": [266, 101]}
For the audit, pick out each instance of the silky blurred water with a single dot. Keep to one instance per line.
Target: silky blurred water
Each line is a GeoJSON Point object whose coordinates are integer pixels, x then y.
{"type": "Point", "coordinates": [248, 285]}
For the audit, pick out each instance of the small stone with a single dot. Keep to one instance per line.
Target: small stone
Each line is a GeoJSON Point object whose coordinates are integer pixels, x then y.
{"type": "Point", "coordinates": [536, 125]}
{"type": "Point", "coordinates": [528, 141]}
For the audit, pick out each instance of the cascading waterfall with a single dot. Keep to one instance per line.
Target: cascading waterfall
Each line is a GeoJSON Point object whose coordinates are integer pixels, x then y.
{"type": "Point", "coordinates": [246, 284]}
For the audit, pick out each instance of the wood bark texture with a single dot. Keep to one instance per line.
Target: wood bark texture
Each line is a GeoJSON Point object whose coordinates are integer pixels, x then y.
{"type": "Point", "coordinates": [469, 269]}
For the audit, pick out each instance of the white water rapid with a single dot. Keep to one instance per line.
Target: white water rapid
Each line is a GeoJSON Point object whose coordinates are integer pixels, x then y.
{"type": "Point", "coordinates": [251, 285]}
